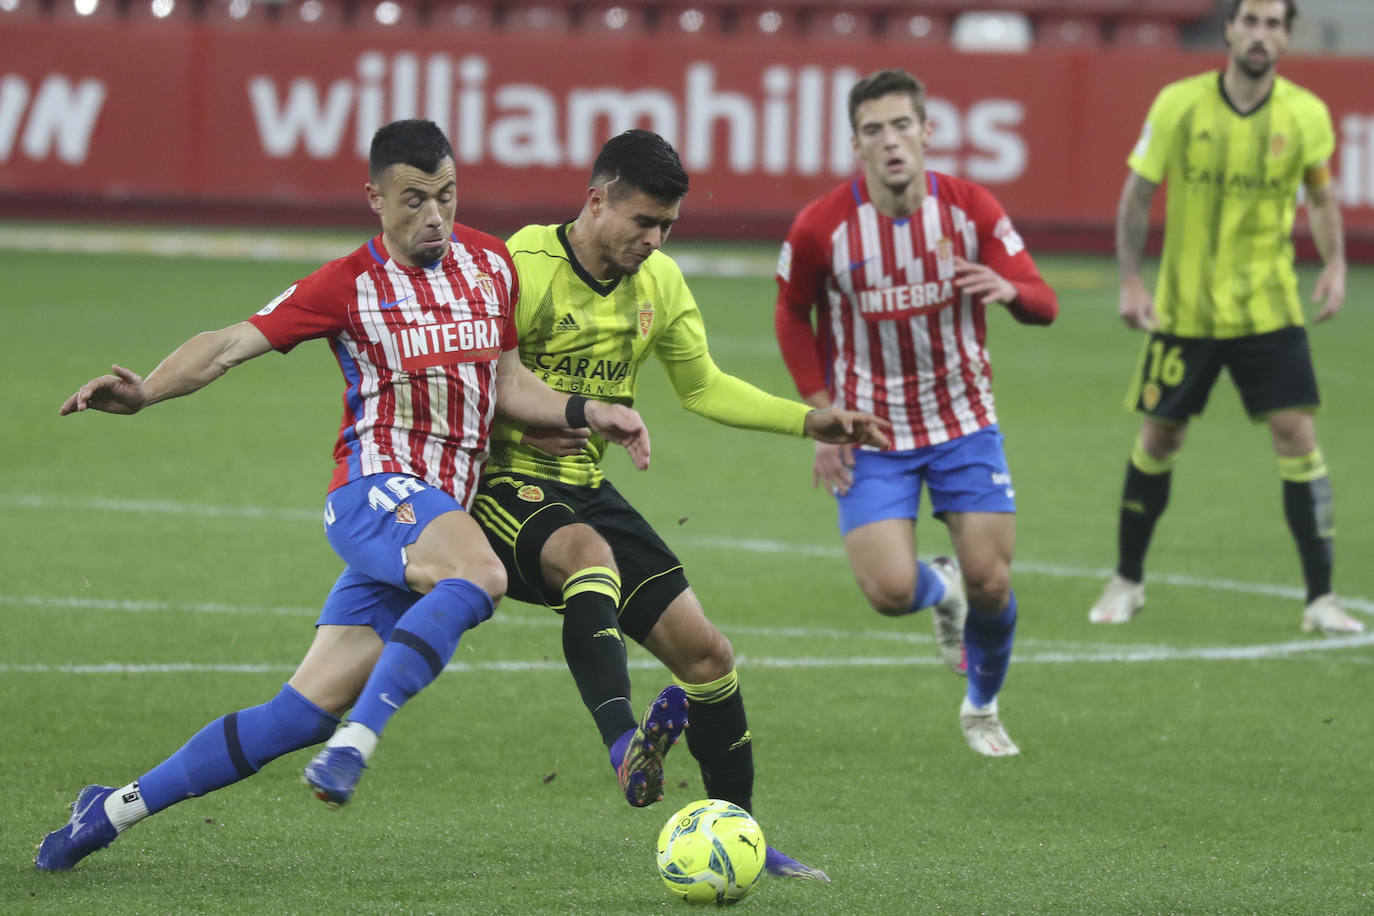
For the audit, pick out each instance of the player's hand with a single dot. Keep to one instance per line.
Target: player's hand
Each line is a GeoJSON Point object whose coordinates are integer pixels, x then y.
{"type": "Point", "coordinates": [833, 468]}
{"type": "Point", "coordinates": [1136, 307]}
{"type": "Point", "coordinates": [1329, 291]}
{"type": "Point", "coordinates": [557, 440]}
{"type": "Point", "coordinates": [847, 426]}
{"type": "Point", "coordinates": [621, 425]}
{"type": "Point", "coordinates": [123, 392]}
{"type": "Point", "coordinates": [980, 281]}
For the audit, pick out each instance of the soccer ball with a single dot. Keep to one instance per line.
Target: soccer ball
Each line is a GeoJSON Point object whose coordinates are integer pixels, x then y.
{"type": "Point", "coordinates": [711, 852]}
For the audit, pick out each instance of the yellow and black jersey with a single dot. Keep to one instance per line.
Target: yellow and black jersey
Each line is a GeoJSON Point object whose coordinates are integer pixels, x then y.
{"type": "Point", "coordinates": [1232, 183]}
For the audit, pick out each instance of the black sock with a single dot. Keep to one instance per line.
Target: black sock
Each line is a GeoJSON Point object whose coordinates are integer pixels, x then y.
{"type": "Point", "coordinates": [1143, 498]}
{"type": "Point", "coordinates": [594, 648]}
{"type": "Point", "coordinates": [1307, 506]}
{"type": "Point", "coordinates": [718, 737]}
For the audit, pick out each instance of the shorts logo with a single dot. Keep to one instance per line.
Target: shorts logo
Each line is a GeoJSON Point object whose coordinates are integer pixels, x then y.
{"type": "Point", "coordinates": [530, 493]}
{"type": "Point", "coordinates": [1149, 396]}
{"type": "Point", "coordinates": [405, 514]}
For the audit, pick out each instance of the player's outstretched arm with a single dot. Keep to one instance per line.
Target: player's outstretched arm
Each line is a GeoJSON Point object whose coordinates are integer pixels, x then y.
{"type": "Point", "coordinates": [521, 396]}
{"type": "Point", "coordinates": [847, 426]}
{"type": "Point", "coordinates": [189, 368]}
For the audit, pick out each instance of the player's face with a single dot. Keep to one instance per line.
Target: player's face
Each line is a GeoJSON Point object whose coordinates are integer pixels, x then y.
{"type": "Point", "coordinates": [417, 210]}
{"type": "Point", "coordinates": [890, 139]}
{"type": "Point", "coordinates": [626, 230]}
{"type": "Point", "coordinates": [1258, 36]}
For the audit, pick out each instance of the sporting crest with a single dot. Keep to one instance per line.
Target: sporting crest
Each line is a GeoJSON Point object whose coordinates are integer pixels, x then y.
{"type": "Point", "coordinates": [405, 514]}
{"type": "Point", "coordinates": [486, 285]}
{"type": "Point", "coordinates": [530, 493]}
{"type": "Point", "coordinates": [944, 257]}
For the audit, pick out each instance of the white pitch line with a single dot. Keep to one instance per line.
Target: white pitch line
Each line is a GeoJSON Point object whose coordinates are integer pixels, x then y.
{"type": "Point", "coordinates": [1082, 652]}
{"type": "Point", "coordinates": [748, 545]}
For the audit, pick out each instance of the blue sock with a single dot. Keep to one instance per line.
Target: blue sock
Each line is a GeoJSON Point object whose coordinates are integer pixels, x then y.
{"type": "Point", "coordinates": [618, 749]}
{"type": "Point", "coordinates": [236, 746]}
{"type": "Point", "coordinates": [424, 640]}
{"type": "Point", "coordinates": [930, 587]}
{"type": "Point", "coordinates": [988, 639]}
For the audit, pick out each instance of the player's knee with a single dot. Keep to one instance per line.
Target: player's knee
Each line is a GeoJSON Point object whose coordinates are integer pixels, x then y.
{"type": "Point", "coordinates": [988, 587]}
{"type": "Point", "coordinates": [487, 573]}
{"type": "Point", "coordinates": [711, 658]}
{"type": "Point", "coordinates": [888, 595]}
{"type": "Point", "coordinates": [480, 567]}
{"type": "Point", "coordinates": [571, 548]}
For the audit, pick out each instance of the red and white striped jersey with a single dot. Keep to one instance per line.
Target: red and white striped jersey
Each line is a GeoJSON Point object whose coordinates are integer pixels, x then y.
{"type": "Point", "coordinates": [893, 335]}
{"type": "Point", "coordinates": [418, 348]}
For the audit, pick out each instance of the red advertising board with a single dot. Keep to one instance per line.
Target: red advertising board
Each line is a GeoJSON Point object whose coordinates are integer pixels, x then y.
{"type": "Point", "coordinates": [272, 124]}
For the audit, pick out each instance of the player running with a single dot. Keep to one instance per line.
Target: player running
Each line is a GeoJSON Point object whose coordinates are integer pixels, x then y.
{"type": "Point", "coordinates": [899, 267]}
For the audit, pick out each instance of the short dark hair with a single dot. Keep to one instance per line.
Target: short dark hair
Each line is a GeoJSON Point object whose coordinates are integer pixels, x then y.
{"type": "Point", "coordinates": [886, 82]}
{"type": "Point", "coordinates": [411, 142]}
{"type": "Point", "coordinates": [640, 160]}
{"type": "Point", "coordinates": [1289, 15]}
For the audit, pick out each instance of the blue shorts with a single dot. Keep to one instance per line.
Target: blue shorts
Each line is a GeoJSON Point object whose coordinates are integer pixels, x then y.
{"type": "Point", "coordinates": [370, 522]}
{"type": "Point", "coordinates": [968, 474]}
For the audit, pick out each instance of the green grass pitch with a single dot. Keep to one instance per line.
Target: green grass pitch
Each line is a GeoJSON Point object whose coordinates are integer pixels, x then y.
{"type": "Point", "coordinates": [162, 570]}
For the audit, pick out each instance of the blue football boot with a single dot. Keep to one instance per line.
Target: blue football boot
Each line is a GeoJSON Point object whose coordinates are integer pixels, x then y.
{"type": "Point", "coordinates": [776, 863]}
{"type": "Point", "coordinates": [333, 774]}
{"type": "Point", "coordinates": [88, 829]}
{"type": "Point", "coordinates": [640, 770]}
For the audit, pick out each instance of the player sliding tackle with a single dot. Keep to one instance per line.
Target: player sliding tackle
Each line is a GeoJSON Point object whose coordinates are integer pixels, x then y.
{"type": "Point", "coordinates": [419, 404]}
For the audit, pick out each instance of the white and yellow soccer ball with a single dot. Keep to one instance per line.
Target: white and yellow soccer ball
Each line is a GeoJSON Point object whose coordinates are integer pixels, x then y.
{"type": "Point", "coordinates": [711, 852]}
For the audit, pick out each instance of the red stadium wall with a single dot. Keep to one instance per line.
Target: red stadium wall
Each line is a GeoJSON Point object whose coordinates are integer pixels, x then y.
{"type": "Point", "coordinates": [270, 125]}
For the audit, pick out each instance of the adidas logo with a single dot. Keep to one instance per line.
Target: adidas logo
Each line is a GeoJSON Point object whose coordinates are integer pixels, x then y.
{"type": "Point", "coordinates": [566, 323]}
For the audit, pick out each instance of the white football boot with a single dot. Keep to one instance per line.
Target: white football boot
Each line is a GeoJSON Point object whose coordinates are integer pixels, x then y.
{"type": "Point", "coordinates": [1121, 600]}
{"type": "Point", "coordinates": [1326, 615]}
{"type": "Point", "coordinates": [948, 615]}
{"type": "Point", "coordinates": [984, 730]}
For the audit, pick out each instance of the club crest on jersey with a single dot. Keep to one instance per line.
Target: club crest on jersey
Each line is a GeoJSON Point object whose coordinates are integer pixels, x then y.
{"type": "Point", "coordinates": [944, 257]}
{"type": "Point", "coordinates": [1277, 144]}
{"type": "Point", "coordinates": [405, 514]}
{"type": "Point", "coordinates": [530, 493]}
{"type": "Point", "coordinates": [486, 285]}
{"type": "Point", "coordinates": [646, 318]}
{"type": "Point", "coordinates": [444, 343]}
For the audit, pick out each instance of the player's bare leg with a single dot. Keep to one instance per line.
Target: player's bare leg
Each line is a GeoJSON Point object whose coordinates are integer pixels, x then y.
{"type": "Point", "coordinates": [882, 555]}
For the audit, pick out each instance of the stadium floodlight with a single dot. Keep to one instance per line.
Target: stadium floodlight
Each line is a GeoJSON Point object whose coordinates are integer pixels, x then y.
{"type": "Point", "coordinates": [387, 12]}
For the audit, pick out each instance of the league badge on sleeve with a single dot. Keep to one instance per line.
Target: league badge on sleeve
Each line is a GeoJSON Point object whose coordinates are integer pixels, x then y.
{"type": "Point", "coordinates": [271, 306]}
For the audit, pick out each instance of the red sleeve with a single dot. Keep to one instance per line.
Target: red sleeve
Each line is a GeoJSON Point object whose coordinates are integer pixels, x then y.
{"type": "Point", "coordinates": [801, 285]}
{"type": "Point", "coordinates": [316, 306]}
{"type": "Point", "coordinates": [1002, 249]}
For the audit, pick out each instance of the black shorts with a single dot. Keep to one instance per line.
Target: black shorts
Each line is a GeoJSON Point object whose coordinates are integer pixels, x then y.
{"type": "Point", "coordinates": [520, 513]}
{"type": "Point", "coordinates": [1271, 371]}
